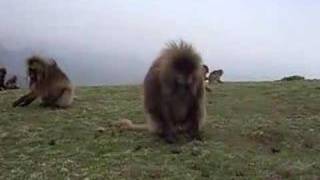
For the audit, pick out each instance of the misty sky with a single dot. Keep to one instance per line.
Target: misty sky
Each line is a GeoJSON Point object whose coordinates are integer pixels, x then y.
{"type": "Point", "coordinates": [249, 39]}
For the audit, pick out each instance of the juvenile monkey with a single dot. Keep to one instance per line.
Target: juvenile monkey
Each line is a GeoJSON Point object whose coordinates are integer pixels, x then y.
{"type": "Point", "coordinates": [3, 73]}
{"type": "Point", "coordinates": [174, 94]}
{"type": "Point", "coordinates": [48, 82]}
{"type": "Point", "coordinates": [205, 69]}
{"type": "Point", "coordinates": [12, 83]}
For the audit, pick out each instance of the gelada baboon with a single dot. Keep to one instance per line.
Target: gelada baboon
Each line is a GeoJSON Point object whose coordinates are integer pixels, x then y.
{"type": "Point", "coordinates": [205, 69]}
{"type": "Point", "coordinates": [215, 76]}
{"type": "Point", "coordinates": [47, 81]}
{"type": "Point", "coordinates": [3, 73]}
{"type": "Point", "coordinates": [12, 83]}
{"type": "Point", "coordinates": [174, 94]}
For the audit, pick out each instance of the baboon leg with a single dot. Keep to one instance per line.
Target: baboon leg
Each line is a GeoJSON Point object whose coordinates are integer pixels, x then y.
{"type": "Point", "coordinates": [168, 132]}
{"type": "Point", "coordinates": [25, 100]}
{"type": "Point", "coordinates": [193, 124]}
{"type": "Point", "coordinates": [28, 101]}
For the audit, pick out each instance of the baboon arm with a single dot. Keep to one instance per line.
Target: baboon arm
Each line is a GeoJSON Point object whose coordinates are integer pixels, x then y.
{"type": "Point", "coordinates": [193, 123]}
{"type": "Point", "coordinates": [168, 133]}
{"type": "Point", "coordinates": [25, 100]}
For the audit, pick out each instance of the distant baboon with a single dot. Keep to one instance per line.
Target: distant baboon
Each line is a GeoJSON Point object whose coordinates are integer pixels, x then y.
{"type": "Point", "coordinates": [48, 82]}
{"type": "Point", "coordinates": [3, 73]}
{"type": "Point", "coordinates": [12, 83]}
{"type": "Point", "coordinates": [215, 76]}
{"type": "Point", "coordinates": [205, 71]}
{"type": "Point", "coordinates": [174, 94]}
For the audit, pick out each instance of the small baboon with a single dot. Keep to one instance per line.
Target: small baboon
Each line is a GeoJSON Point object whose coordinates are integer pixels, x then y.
{"type": "Point", "coordinates": [47, 81]}
{"type": "Point", "coordinates": [3, 73]}
{"type": "Point", "coordinates": [174, 94]}
{"type": "Point", "coordinates": [215, 76]}
{"type": "Point", "coordinates": [12, 83]}
{"type": "Point", "coordinates": [205, 72]}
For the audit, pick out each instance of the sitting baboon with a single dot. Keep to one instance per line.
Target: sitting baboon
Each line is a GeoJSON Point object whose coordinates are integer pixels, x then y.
{"type": "Point", "coordinates": [205, 72]}
{"type": "Point", "coordinates": [3, 73]}
{"type": "Point", "coordinates": [174, 94]}
{"type": "Point", "coordinates": [215, 76]}
{"type": "Point", "coordinates": [12, 83]}
{"type": "Point", "coordinates": [47, 81]}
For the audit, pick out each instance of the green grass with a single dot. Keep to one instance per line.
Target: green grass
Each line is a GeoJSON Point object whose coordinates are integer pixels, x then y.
{"type": "Point", "coordinates": [253, 131]}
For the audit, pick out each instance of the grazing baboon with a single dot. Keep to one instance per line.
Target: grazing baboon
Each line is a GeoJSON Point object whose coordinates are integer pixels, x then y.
{"type": "Point", "coordinates": [47, 81]}
{"type": "Point", "coordinates": [3, 73]}
{"type": "Point", "coordinates": [174, 94]}
{"type": "Point", "coordinates": [12, 83]}
{"type": "Point", "coordinates": [215, 76]}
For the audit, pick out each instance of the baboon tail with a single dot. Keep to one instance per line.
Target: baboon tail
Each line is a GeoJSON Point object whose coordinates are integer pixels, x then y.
{"type": "Point", "coordinates": [127, 124]}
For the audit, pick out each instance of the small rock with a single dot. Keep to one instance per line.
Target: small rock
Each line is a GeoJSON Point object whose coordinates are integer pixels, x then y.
{"type": "Point", "coordinates": [239, 173]}
{"type": "Point", "coordinates": [137, 148]}
{"type": "Point", "coordinates": [52, 142]}
{"type": "Point", "coordinates": [176, 150]}
{"type": "Point", "coordinates": [3, 135]}
{"type": "Point", "coordinates": [275, 150]}
{"type": "Point", "coordinates": [101, 129]}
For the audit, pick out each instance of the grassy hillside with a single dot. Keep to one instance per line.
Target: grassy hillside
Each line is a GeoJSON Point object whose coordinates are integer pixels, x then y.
{"type": "Point", "coordinates": [253, 131]}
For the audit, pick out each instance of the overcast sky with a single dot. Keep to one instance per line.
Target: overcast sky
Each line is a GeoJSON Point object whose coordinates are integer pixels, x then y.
{"type": "Point", "coordinates": [249, 39]}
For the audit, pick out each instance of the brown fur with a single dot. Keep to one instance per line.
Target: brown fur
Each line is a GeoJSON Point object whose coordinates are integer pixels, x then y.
{"type": "Point", "coordinates": [174, 94]}
{"type": "Point", "coordinates": [12, 83]}
{"type": "Point", "coordinates": [47, 81]}
{"type": "Point", "coordinates": [215, 76]}
{"type": "Point", "coordinates": [3, 73]}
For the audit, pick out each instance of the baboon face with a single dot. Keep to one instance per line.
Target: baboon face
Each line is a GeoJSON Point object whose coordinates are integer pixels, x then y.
{"type": "Point", "coordinates": [184, 73]}
{"type": "Point", "coordinates": [36, 70]}
{"type": "Point", "coordinates": [205, 69]}
{"type": "Point", "coordinates": [33, 76]}
{"type": "Point", "coordinates": [32, 73]}
{"type": "Point", "coordinates": [183, 80]}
